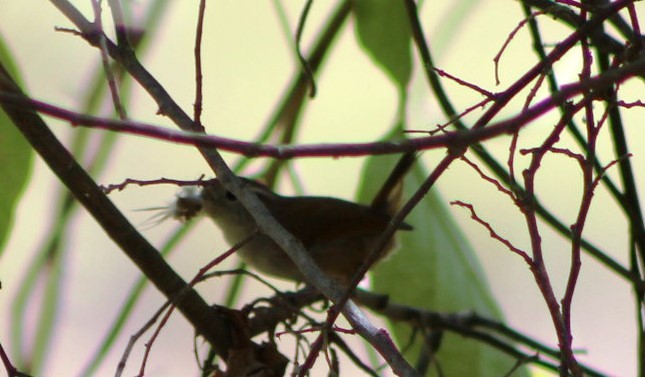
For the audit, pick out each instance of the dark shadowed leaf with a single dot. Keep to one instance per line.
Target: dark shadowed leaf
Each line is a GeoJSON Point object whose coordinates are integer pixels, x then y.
{"type": "Point", "coordinates": [435, 269]}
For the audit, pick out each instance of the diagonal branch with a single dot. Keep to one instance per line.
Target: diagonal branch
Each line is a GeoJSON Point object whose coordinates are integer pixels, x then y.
{"type": "Point", "coordinates": [208, 322]}
{"type": "Point", "coordinates": [265, 221]}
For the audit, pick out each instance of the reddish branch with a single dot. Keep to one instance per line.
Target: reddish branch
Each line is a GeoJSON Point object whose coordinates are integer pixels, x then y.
{"type": "Point", "coordinates": [456, 142]}
{"type": "Point", "coordinates": [560, 315]}
{"type": "Point", "coordinates": [583, 31]}
{"type": "Point", "coordinates": [527, 203]}
{"type": "Point", "coordinates": [267, 224]}
{"type": "Point", "coordinates": [458, 139]}
{"type": "Point", "coordinates": [587, 181]}
{"type": "Point", "coordinates": [465, 83]}
{"type": "Point", "coordinates": [537, 265]}
{"type": "Point", "coordinates": [508, 41]}
{"type": "Point", "coordinates": [492, 232]}
{"type": "Point", "coordinates": [198, 277]}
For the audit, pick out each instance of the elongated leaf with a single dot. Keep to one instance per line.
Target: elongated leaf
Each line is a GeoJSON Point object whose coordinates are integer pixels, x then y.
{"type": "Point", "coordinates": [16, 157]}
{"type": "Point", "coordinates": [435, 269]}
{"type": "Point", "coordinates": [382, 28]}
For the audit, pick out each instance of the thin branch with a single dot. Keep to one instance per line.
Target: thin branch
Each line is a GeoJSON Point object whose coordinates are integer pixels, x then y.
{"type": "Point", "coordinates": [571, 3]}
{"type": "Point", "coordinates": [554, 87]}
{"type": "Point", "coordinates": [173, 302]}
{"type": "Point", "coordinates": [633, 18]}
{"type": "Point", "coordinates": [130, 181]}
{"type": "Point", "coordinates": [8, 366]}
{"type": "Point", "coordinates": [265, 221]}
{"type": "Point", "coordinates": [306, 68]}
{"type": "Point", "coordinates": [467, 324]}
{"type": "Point", "coordinates": [631, 205]}
{"type": "Point", "coordinates": [584, 30]}
{"type": "Point", "coordinates": [572, 128]}
{"type": "Point", "coordinates": [492, 232]}
{"type": "Point", "coordinates": [197, 114]}
{"type": "Point", "coordinates": [508, 40]}
{"type": "Point", "coordinates": [450, 140]}
{"type": "Point", "coordinates": [488, 179]}
{"type": "Point", "coordinates": [504, 97]}
{"type": "Point", "coordinates": [629, 105]}
{"type": "Point", "coordinates": [107, 68]}
{"type": "Point", "coordinates": [135, 337]}
{"type": "Point", "coordinates": [120, 27]}
{"type": "Point", "coordinates": [464, 83]}
{"type": "Point", "coordinates": [538, 267]}
{"type": "Point", "coordinates": [376, 252]}
{"type": "Point", "coordinates": [587, 182]}
{"type": "Point", "coordinates": [604, 43]}
{"type": "Point", "coordinates": [203, 317]}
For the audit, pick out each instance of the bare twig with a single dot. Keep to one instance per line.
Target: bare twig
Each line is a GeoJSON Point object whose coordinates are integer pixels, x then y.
{"type": "Point", "coordinates": [492, 232]}
{"type": "Point", "coordinates": [587, 182]}
{"type": "Point", "coordinates": [517, 28]}
{"type": "Point", "coordinates": [537, 265]}
{"type": "Point", "coordinates": [197, 115]}
{"type": "Point", "coordinates": [8, 366]}
{"type": "Point", "coordinates": [135, 246]}
{"type": "Point", "coordinates": [450, 140]}
{"type": "Point", "coordinates": [267, 224]}
{"type": "Point", "coordinates": [130, 181]}
{"type": "Point", "coordinates": [173, 302]}
{"type": "Point", "coordinates": [464, 83]}
{"type": "Point", "coordinates": [135, 337]}
{"type": "Point", "coordinates": [107, 68]}
{"type": "Point", "coordinates": [306, 68]}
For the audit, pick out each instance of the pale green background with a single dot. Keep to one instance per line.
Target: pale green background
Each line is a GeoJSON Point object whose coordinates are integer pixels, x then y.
{"type": "Point", "coordinates": [246, 63]}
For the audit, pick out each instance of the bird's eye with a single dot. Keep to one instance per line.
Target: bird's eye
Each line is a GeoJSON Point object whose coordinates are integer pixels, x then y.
{"type": "Point", "coordinates": [230, 196]}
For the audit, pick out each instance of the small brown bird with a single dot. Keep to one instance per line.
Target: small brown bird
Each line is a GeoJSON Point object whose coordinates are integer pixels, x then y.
{"type": "Point", "coordinates": [338, 234]}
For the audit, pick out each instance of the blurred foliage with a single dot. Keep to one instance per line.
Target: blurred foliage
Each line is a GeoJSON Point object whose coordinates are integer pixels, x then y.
{"type": "Point", "coordinates": [16, 158]}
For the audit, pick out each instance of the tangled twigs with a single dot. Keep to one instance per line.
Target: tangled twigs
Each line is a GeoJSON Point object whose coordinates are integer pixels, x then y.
{"type": "Point", "coordinates": [285, 305]}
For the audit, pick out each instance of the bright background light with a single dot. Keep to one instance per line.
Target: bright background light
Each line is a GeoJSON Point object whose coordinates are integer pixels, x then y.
{"type": "Point", "coordinates": [247, 63]}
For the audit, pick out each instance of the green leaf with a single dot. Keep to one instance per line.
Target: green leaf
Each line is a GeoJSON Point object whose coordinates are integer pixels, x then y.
{"type": "Point", "coordinates": [382, 28]}
{"type": "Point", "coordinates": [435, 269]}
{"type": "Point", "coordinates": [16, 157]}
